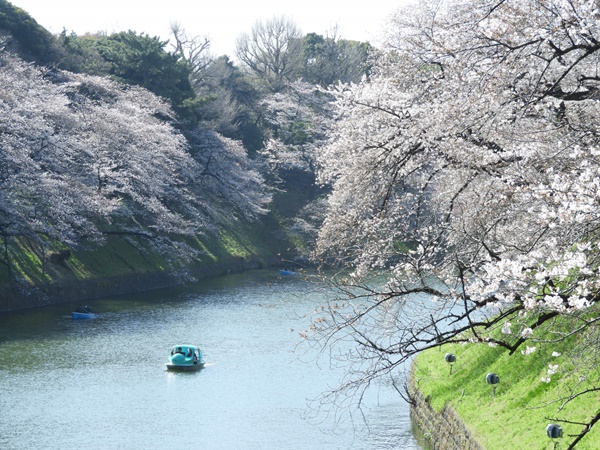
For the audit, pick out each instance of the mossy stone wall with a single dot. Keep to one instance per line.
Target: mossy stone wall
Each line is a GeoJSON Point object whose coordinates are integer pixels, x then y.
{"type": "Point", "coordinates": [443, 430]}
{"type": "Point", "coordinates": [66, 291]}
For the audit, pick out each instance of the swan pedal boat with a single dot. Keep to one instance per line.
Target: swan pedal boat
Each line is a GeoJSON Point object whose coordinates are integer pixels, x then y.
{"type": "Point", "coordinates": [185, 357]}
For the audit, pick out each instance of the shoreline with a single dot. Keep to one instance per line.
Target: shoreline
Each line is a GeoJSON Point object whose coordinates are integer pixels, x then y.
{"type": "Point", "coordinates": [65, 291]}
{"type": "Point", "coordinates": [443, 430]}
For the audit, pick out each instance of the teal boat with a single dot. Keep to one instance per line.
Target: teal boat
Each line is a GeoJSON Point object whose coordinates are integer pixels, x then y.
{"type": "Point", "coordinates": [185, 357]}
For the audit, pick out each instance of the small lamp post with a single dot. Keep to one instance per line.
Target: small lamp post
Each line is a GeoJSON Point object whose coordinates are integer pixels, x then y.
{"type": "Point", "coordinates": [554, 431]}
{"type": "Point", "coordinates": [492, 379]}
{"type": "Point", "coordinates": [450, 359]}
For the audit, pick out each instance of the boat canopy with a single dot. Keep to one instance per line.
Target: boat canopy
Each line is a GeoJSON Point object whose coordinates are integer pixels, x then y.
{"type": "Point", "coordinates": [186, 349]}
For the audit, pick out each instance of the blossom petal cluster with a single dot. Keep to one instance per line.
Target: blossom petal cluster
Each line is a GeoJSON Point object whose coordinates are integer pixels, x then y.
{"type": "Point", "coordinates": [473, 149]}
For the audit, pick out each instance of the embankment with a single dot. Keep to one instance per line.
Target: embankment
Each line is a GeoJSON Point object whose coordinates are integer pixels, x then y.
{"type": "Point", "coordinates": [70, 290]}
{"type": "Point", "coordinates": [443, 430]}
{"type": "Point", "coordinates": [34, 275]}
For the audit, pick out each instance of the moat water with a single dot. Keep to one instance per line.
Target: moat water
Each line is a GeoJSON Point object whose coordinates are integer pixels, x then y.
{"type": "Point", "coordinates": [102, 384]}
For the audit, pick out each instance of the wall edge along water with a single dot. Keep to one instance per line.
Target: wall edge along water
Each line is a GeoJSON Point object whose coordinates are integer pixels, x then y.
{"type": "Point", "coordinates": [443, 430]}
{"type": "Point", "coordinates": [13, 298]}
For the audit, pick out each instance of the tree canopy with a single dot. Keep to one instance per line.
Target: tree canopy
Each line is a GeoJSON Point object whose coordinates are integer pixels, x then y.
{"type": "Point", "coordinates": [31, 40]}
{"type": "Point", "coordinates": [328, 60]}
{"type": "Point", "coordinates": [149, 142]}
{"type": "Point", "coordinates": [466, 169]}
{"type": "Point", "coordinates": [132, 58]}
{"type": "Point", "coordinates": [271, 50]}
{"type": "Point", "coordinates": [82, 157]}
{"type": "Point", "coordinates": [277, 53]}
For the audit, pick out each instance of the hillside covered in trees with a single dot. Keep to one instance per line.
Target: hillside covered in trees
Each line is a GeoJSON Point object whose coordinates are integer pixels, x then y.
{"type": "Point", "coordinates": [157, 153]}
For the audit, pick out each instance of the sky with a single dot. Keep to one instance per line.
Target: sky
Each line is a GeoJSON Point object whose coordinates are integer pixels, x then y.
{"type": "Point", "coordinates": [219, 20]}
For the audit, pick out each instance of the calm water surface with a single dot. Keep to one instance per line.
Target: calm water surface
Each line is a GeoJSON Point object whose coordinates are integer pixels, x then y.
{"type": "Point", "coordinates": [102, 384]}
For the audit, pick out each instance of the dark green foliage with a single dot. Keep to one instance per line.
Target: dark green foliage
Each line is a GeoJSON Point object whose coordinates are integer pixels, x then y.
{"type": "Point", "coordinates": [142, 60]}
{"type": "Point", "coordinates": [230, 102]}
{"type": "Point", "coordinates": [81, 54]}
{"type": "Point", "coordinates": [29, 39]}
{"type": "Point", "coordinates": [135, 59]}
{"type": "Point", "coordinates": [327, 60]}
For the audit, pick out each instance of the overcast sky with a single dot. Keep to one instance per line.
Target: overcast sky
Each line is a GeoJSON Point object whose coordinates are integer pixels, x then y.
{"type": "Point", "coordinates": [220, 20]}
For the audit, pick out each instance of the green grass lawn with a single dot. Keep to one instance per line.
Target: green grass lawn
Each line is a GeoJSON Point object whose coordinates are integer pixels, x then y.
{"type": "Point", "coordinates": [516, 416]}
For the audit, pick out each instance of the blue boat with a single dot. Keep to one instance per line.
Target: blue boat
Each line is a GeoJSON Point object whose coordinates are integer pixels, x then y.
{"type": "Point", "coordinates": [185, 357]}
{"type": "Point", "coordinates": [83, 312]}
{"type": "Point", "coordinates": [286, 272]}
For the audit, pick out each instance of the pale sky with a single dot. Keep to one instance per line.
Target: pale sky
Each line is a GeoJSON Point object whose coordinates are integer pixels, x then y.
{"type": "Point", "coordinates": [220, 20]}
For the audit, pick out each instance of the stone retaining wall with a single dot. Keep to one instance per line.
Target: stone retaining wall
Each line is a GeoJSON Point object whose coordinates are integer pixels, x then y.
{"type": "Point", "coordinates": [12, 299]}
{"type": "Point", "coordinates": [443, 430]}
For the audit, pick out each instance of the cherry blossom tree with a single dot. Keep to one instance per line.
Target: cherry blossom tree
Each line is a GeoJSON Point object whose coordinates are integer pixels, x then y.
{"type": "Point", "coordinates": [33, 165]}
{"type": "Point", "coordinates": [466, 170]}
{"type": "Point", "coordinates": [84, 157]}
{"type": "Point", "coordinates": [297, 122]}
{"type": "Point", "coordinates": [228, 180]}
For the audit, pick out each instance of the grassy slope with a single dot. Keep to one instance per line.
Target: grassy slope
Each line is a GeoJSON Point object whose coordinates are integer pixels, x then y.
{"type": "Point", "coordinates": [120, 257]}
{"type": "Point", "coordinates": [517, 416]}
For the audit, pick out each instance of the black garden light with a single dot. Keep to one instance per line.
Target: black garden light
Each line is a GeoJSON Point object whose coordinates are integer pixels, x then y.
{"type": "Point", "coordinates": [554, 432]}
{"type": "Point", "coordinates": [450, 359]}
{"type": "Point", "coordinates": [492, 379]}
